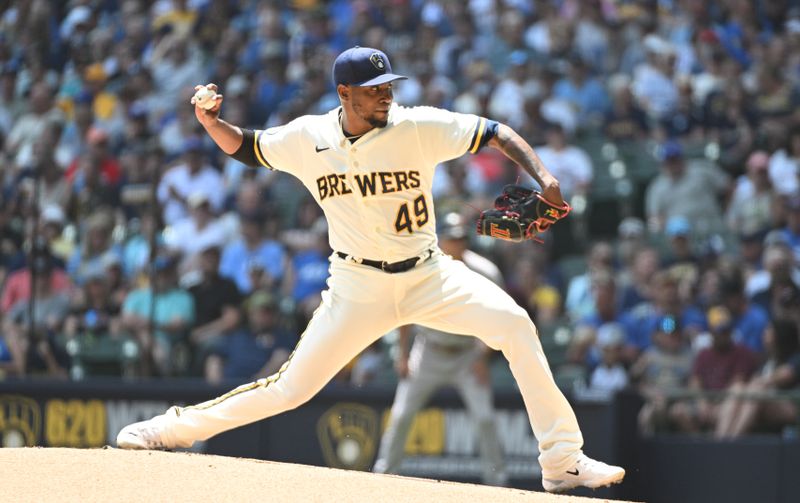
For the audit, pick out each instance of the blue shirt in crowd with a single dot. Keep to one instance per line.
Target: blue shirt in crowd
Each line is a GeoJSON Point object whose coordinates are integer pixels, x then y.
{"type": "Point", "coordinates": [749, 328]}
{"type": "Point", "coordinates": [311, 273]}
{"type": "Point", "coordinates": [237, 259]}
{"type": "Point", "coordinates": [640, 326]}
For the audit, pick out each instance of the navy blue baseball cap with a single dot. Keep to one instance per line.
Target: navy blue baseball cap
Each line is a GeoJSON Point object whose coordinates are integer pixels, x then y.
{"type": "Point", "coordinates": [363, 66]}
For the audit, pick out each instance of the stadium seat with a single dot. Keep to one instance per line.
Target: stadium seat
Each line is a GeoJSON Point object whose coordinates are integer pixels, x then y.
{"type": "Point", "coordinates": [101, 355]}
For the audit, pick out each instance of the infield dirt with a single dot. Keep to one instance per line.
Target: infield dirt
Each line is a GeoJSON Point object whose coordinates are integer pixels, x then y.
{"type": "Point", "coordinates": [113, 475]}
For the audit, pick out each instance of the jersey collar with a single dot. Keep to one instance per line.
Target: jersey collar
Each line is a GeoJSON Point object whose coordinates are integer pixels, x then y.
{"type": "Point", "coordinates": [342, 139]}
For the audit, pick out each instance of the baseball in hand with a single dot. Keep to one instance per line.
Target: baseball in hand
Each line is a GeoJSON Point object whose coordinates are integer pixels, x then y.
{"type": "Point", "coordinates": [204, 98]}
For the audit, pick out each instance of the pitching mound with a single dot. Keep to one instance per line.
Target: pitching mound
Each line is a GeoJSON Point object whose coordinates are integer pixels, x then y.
{"type": "Point", "coordinates": [87, 475]}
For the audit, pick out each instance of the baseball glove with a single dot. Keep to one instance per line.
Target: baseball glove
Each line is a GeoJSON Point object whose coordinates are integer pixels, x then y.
{"type": "Point", "coordinates": [519, 214]}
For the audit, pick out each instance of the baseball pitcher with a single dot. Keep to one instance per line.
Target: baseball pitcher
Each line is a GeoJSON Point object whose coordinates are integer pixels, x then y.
{"type": "Point", "coordinates": [369, 163]}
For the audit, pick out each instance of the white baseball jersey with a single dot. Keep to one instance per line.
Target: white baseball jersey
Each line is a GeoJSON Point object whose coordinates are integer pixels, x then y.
{"type": "Point", "coordinates": [376, 192]}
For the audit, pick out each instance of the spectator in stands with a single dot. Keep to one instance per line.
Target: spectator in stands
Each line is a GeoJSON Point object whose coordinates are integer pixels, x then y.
{"type": "Point", "coordinates": [94, 176]}
{"type": "Point", "coordinates": [137, 133]}
{"type": "Point", "coordinates": [12, 256]}
{"type": "Point", "coordinates": [685, 120]}
{"type": "Point", "coordinates": [17, 287]}
{"type": "Point", "coordinates": [135, 253]}
{"type": "Point", "coordinates": [216, 301]}
{"type": "Point", "coordinates": [551, 36]}
{"type": "Point", "coordinates": [199, 230]}
{"type": "Point", "coordinates": [160, 323]}
{"type": "Point", "coordinates": [653, 84]}
{"type": "Point", "coordinates": [678, 229]}
{"type": "Point", "coordinates": [751, 251]}
{"type": "Point", "coordinates": [8, 78]}
{"type": "Point", "coordinates": [97, 246]}
{"type": "Point", "coordinates": [29, 127]}
{"type": "Point", "coordinates": [97, 160]}
{"type": "Point", "coordinates": [630, 239]}
{"type": "Point", "coordinates": [662, 368]}
{"type": "Point", "coordinates": [54, 189]}
{"type": "Point", "coordinates": [792, 229]}
{"type": "Point", "coordinates": [729, 119]}
{"type": "Point", "coordinates": [777, 290]}
{"type": "Point", "coordinates": [738, 415]}
{"type": "Point", "coordinates": [307, 273]}
{"type": "Point", "coordinates": [777, 99]}
{"type": "Point", "coordinates": [138, 175]}
{"type": "Point", "coordinates": [749, 320]}
{"type": "Point", "coordinates": [723, 366]}
{"type": "Point", "coordinates": [749, 210]}
{"type": "Point", "coordinates": [624, 120]}
{"type": "Point", "coordinates": [256, 350]}
{"type": "Point", "coordinates": [32, 342]}
{"type": "Point", "coordinates": [610, 375]}
{"type": "Point", "coordinates": [177, 64]}
{"type": "Point", "coordinates": [760, 278]}
{"type": "Point", "coordinates": [507, 98]}
{"type": "Point", "coordinates": [580, 302]}
{"type": "Point", "coordinates": [253, 249]}
{"type": "Point", "coordinates": [784, 165]}
{"type": "Point", "coordinates": [52, 221]}
{"type": "Point", "coordinates": [643, 321]}
{"type": "Point", "coordinates": [94, 310]}
{"type": "Point", "coordinates": [530, 289]}
{"type": "Point", "coordinates": [453, 52]}
{"type": "Point", "coordinates": [592, 37]}
{"type": "Point", "coordinates": [683, 189]}
{"type": "Point", "coordinates": [106, 108]}
{"type": "Point", "coordinates": [118, 284]}
{"type": "Point", "coordinates": [193, 176]}
{"type": "Point", "coordinates": [681, 260]}
{"type": "Point", "coordinates": [569, 163]}
{"type": "Point", "coordinates": [584, 92]}
{"type": "Point", "coordinates": [585, 346]}
{"type": "Point", "coordinates": [72, 142]}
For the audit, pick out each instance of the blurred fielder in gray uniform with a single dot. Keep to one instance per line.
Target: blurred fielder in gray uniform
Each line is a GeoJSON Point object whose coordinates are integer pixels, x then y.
{"type": "Point", "coordinates": [438, 359]}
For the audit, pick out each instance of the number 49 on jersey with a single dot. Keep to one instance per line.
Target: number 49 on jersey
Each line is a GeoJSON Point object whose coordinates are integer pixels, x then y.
{"type": "Point", "coordinates": [404, 221]}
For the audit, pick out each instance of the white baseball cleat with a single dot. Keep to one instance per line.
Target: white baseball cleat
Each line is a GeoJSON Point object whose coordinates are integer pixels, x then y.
{"type": "Point", "coordinates": [142, 435]}
{"type": "Point", "coordinates": [585, 472]}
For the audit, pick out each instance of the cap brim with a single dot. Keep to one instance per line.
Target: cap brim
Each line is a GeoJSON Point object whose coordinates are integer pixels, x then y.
{"type": "Point", "coordinates": [381, 79]}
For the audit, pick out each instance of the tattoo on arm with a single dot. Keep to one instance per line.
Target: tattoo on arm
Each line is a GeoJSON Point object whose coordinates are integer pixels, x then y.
{"type": "Point", "coordinates": [517, 149]}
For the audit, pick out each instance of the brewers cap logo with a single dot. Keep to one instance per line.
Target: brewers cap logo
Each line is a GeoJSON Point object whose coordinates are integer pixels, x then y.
{"type": "Point", "coordinates": [377, 61]}
{"type": "Point", "coordinates": [20, 421]}
{"type": "Point", "coordinates": [348, 434]}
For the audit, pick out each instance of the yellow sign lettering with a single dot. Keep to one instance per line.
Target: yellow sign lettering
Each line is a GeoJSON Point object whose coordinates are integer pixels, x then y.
{"type": "Point", "coordinates": [426, 435]}
{"type": "Point", "coordinates": [75, 423]}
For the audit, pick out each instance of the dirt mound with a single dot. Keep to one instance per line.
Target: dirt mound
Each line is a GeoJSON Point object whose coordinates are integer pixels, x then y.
{"type": "Point", "coordinates": [87, 475]}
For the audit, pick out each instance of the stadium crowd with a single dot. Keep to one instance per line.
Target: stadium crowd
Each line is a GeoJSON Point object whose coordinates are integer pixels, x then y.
{"type": "Point", "coordinates": [138, 249]}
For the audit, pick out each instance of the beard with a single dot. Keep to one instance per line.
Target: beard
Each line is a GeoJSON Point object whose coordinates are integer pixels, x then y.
{"type": "Point", "coordinates": [379, 123]}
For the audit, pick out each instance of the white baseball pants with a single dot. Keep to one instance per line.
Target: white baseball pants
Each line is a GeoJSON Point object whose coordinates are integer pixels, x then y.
{"type": "Point", "coordinates": [359, 306]}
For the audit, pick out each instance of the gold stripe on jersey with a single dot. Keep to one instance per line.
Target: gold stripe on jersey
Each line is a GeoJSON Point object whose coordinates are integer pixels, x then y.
{"type": "Point", "coordinates": [261, 383]}
{"type": "Point", "coordinates": [259, 155]}
{"type": "Point", "coordinates": [476, 141]}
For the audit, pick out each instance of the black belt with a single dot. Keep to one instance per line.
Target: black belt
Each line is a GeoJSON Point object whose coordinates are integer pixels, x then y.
{"type": "Point", "coordinates": [390, 267]}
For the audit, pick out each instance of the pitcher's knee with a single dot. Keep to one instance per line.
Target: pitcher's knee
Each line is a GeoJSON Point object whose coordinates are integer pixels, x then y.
{"type": "Point", "coordinates": [516, 327]}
